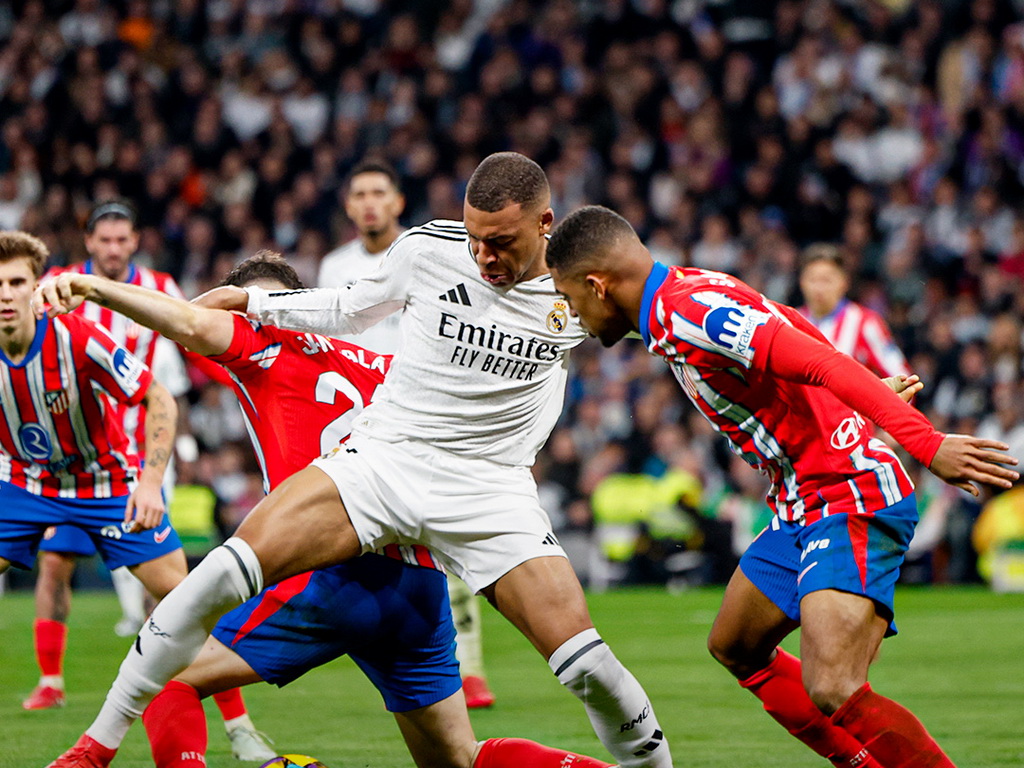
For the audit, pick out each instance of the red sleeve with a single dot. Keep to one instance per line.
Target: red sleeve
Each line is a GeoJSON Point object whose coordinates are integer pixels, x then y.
{"type": "Point", "coordinates": [251, 350]}
{"type": "Point", "coordinates": [795, 356]}
{"type": "Point", "coordinates": [205, 366]}
{"type": "Point", "coordinates": [110, 366]}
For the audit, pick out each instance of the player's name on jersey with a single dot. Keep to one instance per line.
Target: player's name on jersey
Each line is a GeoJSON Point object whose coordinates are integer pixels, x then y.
{"type": "Point", "coordinates": [491, 350]}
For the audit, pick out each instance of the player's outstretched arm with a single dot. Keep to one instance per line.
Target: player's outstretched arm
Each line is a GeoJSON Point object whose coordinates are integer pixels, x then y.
{"type": "Point", "coordinates": [146, 504]}
{"type": "Point", "coordinates": [199, 329]}
{"type": "Point", "coordinates": [959, 460]}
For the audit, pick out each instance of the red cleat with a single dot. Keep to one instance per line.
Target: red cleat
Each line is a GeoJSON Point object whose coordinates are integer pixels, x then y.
{"type": "Point", "coordinates": [87, 753]}
{"type": "Point", "coordinates": [478, 695]}
{"type": "Point", "coordinates": [44, 697]}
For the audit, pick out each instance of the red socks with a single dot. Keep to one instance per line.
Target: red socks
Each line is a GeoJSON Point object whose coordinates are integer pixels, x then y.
{"type": "Point", "coordinates": [230, 703]}
{"type": "Point", "coordinates": [890, 731]}
{"type": "Point", "coordinates": [176, 726]}
{"type": "Point", "coordinates": [780, 686]}
{"type": "Point", "coordinates": [515, 753]}
{"type": "Point", "coordinates": [51, 640]}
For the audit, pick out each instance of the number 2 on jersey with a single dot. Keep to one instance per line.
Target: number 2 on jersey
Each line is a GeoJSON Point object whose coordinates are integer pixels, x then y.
{"type": "Point", "coordinates": [328, 385]}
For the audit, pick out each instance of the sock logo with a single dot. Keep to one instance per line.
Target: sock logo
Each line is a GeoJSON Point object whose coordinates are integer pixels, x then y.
{"type": "Point", "coordinates": [636, 720]}
{"type": "Point", "coordinates": [193, 756]}
{"type": "Point", "coordinates": [154, 629]}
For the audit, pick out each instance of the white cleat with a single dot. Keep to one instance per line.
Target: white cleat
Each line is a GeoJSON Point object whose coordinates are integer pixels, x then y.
{"type": "Point", "coordinates": [249, 744]}
{"type": "Point", "coordinates": [128, 627]}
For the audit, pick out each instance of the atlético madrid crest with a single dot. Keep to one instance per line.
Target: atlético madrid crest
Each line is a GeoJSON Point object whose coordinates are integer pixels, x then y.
{"type": "Point", "coordinates": [558, 318]}
{"type": "Point", "coordinates": [57, 401]}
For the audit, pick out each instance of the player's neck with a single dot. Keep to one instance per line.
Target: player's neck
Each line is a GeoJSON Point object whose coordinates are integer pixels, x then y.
{"type": "Point", "coordinates": [378, 242]}
{"type": "Point", "coordinates": [629, 294]}
{"type": "Point", "coordinates": [120, 277]}
{"type": "Point", "coordinates": [17, 340]}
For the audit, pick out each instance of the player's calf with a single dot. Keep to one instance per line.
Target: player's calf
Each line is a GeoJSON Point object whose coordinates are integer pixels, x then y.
{"type": "Point", "coordinates": [616, 704]}
{"type": "Point", "coordinates": [175, 633]}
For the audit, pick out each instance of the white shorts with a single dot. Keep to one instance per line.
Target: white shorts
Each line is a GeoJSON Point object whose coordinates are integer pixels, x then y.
{"type": "Point", "coordinates": [480, 519]}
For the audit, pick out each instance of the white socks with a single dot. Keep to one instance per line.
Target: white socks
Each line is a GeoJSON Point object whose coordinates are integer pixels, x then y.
{"type": "Point", "coordinates": [617, 706]}
{"type": "Point", "coordinates": [468, 639]}
{"type": "Point", "coordinates": [175, 633]}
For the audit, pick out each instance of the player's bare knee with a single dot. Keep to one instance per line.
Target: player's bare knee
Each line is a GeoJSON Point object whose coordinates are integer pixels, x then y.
{"type": "Point", "coordinates": [829, 693]}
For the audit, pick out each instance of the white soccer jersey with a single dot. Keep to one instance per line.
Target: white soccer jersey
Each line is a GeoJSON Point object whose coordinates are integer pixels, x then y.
{"type": "Point", "coordinates": [344, 266]}
{"type": "Point", "coordinates": [480, 370]}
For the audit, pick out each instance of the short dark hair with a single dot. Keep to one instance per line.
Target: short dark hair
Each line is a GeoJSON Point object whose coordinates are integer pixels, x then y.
{"type": "Point", "coordinates": [585, 234]}
{"type": "Point", "coordinates": [507, 178]}
{"type": "Point", "coordinates": [827, 252]}
{"type": "Point", "coordinates": [374, 165]}
{"type": "Point", "coordinates": [264, 265]}
{"type": "Point", "coordinates": [111, 210]}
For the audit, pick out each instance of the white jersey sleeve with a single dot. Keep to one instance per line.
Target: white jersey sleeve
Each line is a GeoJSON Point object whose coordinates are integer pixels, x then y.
{"type": "Point", "coordinates": [341, 311]}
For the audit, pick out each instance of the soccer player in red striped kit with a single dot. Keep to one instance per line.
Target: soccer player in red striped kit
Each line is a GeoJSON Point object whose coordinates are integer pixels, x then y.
{"type": "Point", "coordinates": [791, 406]}
{"type": "Point", "coordinates": [111, 239]}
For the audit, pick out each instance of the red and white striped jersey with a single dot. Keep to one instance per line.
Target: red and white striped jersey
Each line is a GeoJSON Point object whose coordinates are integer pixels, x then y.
{"type": "Point", "coordinates": [142, 342]}
{"type": "Point", "coordinates": [299, 394]}
{"type": "Point", "coordinates": [59, 436]}
{"type": "Point", "coordinates": [716, 333]}
{"type": "Point", "coordinates": [862, 334]}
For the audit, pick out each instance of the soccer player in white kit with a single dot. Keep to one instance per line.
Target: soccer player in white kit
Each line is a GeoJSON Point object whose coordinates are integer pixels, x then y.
{"type": "Point", "coordinates": [373, 203]}
{"type": "Point", "coordinates": [442, 457]}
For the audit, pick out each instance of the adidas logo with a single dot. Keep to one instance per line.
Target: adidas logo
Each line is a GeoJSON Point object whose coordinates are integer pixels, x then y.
{"type": "Point", "coordinates": [457, 295]}
{"type": "Point", "coordinates": [550, 540]}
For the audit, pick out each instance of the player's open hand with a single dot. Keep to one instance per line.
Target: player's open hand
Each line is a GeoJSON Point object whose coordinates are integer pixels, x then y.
{"type": "Point", "coordinates": [905, 386]}
{"type": "Point", "coordinates": [145, 508]}
{"type": "Point", "coordinates": [60, 295]}
{"type": "Point", "coordinates": [963, 460]}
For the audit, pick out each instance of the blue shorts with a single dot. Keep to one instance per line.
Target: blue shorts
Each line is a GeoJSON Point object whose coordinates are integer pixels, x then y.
{"type": "Point", "coordinates": [24, 518]}
{"type": "Point", "coordinates": [69, 540]}
{"type": "Point", "coordinates": [393, 619]}
{"type": "Point", "coordinates": [860, 554]}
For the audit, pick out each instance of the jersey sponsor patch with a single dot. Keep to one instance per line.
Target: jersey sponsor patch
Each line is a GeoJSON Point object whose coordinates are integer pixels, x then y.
{"type": "Point", "coordinates": [35, 441]}
{"type": "Point", "coordinates": [127, 369]}
{"type": "Point", "coordinates": [847, 434]}
{"type": "Point", "coordinates": [730, 325]}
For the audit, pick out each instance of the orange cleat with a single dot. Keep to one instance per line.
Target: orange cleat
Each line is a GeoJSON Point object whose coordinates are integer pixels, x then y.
{"type": "Point", "coordinates": [87, 753]}
{"type": "Point", "coordinates": [44, 697]}
{"type": "Point", "coordinates": [478, 695]}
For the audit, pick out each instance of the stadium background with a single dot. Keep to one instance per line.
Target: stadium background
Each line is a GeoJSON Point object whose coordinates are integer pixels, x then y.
{"type": "Point", "coordinates": [730, 133]}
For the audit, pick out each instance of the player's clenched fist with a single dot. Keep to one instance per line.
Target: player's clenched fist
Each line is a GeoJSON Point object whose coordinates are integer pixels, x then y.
{"type": "Point", "coordinates": [62, 294]}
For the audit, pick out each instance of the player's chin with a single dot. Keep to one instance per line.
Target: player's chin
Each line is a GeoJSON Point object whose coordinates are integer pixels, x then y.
{"type": "Point", "coordinates": [608, 336]}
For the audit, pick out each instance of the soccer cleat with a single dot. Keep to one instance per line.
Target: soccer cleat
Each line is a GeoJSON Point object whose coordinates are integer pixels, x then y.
{"type": "Point", "coordinates": [87, 753]}
{"type": "Point", "coordinates": [128, 627]}
{"type": "Point", "coordinates": [478, 695]}
{"type": "Point", "coordinates": [249, 744]}
{"type": "Point", "coordinates": [44, 697]}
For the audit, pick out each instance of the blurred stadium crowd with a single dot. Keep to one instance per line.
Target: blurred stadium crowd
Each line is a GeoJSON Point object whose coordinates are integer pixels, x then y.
{"type": "Point", "coordinates": [731, 133]}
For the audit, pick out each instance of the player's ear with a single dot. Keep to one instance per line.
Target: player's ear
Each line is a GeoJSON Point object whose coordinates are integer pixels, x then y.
{"type": "Point", "coordinates": [547, 219]}
{"type": "Point", "coordinates": [598, 283]}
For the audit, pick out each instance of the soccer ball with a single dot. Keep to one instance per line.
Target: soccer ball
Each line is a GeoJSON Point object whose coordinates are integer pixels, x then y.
{"type": "Point", "coordinates": [287, 761]}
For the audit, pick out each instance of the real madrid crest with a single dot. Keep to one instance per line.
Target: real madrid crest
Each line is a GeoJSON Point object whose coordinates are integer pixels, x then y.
{"type": "Point", "coordinates": [558, 318]}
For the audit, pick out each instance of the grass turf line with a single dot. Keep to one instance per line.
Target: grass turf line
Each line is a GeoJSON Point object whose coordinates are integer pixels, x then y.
{"type": "Point", "coordinates": [957, 663]}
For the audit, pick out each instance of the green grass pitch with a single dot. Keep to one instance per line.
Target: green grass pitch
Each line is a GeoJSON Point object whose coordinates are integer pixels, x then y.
{"type": "Point", "coordinates": [958, 663]}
